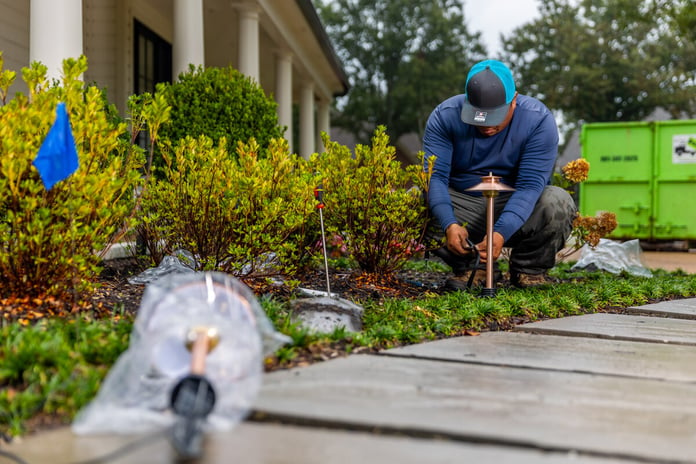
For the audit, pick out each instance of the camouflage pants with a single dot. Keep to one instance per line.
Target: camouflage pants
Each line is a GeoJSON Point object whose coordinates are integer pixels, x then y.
{"type": "Point", "coordinates": [534, 245]}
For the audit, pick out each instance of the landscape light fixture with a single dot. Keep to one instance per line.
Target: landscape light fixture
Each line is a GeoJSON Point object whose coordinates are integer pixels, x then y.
{"type": "Point", "coordinates": [489, 187]}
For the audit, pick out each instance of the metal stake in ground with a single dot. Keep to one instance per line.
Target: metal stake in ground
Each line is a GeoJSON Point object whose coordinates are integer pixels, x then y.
{"type": "Point", "coordinates": [193, 397]}
{"type": "Point", "coordinates": [490, 186]}
{"type": "Point", "coordinates": [319, 195]}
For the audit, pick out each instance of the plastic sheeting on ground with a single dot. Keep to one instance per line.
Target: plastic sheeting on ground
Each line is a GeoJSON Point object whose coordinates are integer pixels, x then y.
{"type": "Point", "coordinates": [135, 395]}
{"type": "Point", "coordinates": [614, 257]}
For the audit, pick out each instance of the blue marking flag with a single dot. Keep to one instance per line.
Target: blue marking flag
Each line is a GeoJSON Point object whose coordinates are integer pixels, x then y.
{"type": "Point", "coordinates": [57, 157]}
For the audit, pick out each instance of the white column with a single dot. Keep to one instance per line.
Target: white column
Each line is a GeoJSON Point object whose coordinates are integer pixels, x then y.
{"type": "Point", "coordinates": [249, 43]}
{"type": "Point", "coordinates": [55, 33]}
{"type": "Point", "coordinates": [323, 122]}
{"type": "Point", "coordinates": [188, 35]}
{"type": "Point", "coordinates": [307, 137]}
{"type": "Point", "coordinates": [283, 94]}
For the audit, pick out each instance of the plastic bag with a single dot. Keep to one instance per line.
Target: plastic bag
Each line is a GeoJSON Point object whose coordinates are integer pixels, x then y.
{"type": "Point", "coordinates": [614, 257]}
{"type": "Point", "coordinates": [135, 395]}
{"type": "Point", "coordinates": [181, 262]}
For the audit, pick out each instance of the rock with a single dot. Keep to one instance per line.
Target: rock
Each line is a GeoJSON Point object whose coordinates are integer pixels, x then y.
{"type": "Point", "coordinates": [325, 314]}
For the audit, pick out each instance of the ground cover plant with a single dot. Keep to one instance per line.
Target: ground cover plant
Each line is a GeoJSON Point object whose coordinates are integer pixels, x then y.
{"type": "Point", "coordinates": [51, 368]}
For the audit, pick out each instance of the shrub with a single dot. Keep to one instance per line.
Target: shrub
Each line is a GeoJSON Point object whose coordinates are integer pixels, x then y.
{"type": "Point", "coordinates": [374, 203]}
{"type": "Point", "coordinates": [48, 238]}
{"type": "Point", "coordinates": [245, 216]}
{"type": "Point", "coordinates": [219, 103]}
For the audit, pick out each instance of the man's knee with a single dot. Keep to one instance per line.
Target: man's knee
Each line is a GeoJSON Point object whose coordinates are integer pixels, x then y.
{"type": "Point", "coordinates": [552, 216]}
{"type": "Point", "coordinates": [557, 204]}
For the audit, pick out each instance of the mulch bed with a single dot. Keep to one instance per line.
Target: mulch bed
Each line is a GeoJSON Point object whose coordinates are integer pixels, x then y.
{"type": "Point", "coordinates": [117, 291]}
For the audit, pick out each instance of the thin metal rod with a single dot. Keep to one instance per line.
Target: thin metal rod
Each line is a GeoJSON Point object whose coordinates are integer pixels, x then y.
{"type": "Point", "coordinates": [489, 240]}
{"type": "Point", "coordinates": [326, 259]}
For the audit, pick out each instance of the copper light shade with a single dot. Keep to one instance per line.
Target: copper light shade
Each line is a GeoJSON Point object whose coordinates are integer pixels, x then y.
{"type": "Point", "coordinates": [490, 184]}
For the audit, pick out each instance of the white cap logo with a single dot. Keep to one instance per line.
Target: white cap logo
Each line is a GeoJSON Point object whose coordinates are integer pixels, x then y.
{"type": "Point", "coordinates": [480, 116]}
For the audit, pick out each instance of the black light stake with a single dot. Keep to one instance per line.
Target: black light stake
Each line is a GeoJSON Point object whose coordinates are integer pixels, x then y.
{"type": "Point", "coordinates": [490, 186]}
{"type": "Point", "coordinates": [193, 397]}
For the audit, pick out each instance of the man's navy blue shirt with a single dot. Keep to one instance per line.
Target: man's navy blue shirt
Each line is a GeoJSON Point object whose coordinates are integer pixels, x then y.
{"type": "Point", "coordinates": [523, 155]}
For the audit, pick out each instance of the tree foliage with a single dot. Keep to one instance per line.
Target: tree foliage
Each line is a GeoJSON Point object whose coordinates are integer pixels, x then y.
{"type": "Point", "coordinates": [608, 60]}
{"type": "Point", "coordinates": [402, 57]}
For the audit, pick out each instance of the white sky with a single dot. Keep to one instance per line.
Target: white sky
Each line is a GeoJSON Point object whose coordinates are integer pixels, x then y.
{"type": "Point", "coordinates": [495, 17]}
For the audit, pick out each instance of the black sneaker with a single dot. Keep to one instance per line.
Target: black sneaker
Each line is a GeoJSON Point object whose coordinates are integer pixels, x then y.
{"type": "Point", "coordinates": [463, 281]}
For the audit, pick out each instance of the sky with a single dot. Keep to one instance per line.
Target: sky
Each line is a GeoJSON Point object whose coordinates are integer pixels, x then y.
{"type": "Point", "coordinates": [495, 17]}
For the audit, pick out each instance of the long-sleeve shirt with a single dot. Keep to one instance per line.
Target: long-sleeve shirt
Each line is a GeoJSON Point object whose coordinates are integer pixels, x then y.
{"type": "Point", "coordinates": [522, 154]}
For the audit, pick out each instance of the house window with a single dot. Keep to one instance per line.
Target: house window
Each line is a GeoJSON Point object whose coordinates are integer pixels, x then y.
{"type": "Point", "coordinates": [153, 60]}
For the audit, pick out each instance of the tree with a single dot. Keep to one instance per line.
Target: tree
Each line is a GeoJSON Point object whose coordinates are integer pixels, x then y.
{"type": "Point", "coordinates": [607, 60]}
{"type": "Point", "coordinates": [402, 56]}
{"type": "Point", "coordinates": [681, 18]}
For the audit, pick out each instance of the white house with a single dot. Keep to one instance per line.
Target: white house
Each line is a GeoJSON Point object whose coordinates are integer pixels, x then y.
{"type": "Point", "coordinates": [131, 45]}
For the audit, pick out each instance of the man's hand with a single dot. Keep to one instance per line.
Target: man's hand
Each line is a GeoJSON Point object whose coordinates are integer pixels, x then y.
{"type": "Point", "coordinates": [456, 236]}
{"type": "Point", "coordinates": [498, 242]}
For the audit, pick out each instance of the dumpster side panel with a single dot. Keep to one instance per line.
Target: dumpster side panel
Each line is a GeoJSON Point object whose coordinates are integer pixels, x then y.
{"type": "Point", "coordinates": [621, 175]}
{"type": "Point", "coordinates": [630, 201]}
{"type": "Point", "coordinates": [675, 180]}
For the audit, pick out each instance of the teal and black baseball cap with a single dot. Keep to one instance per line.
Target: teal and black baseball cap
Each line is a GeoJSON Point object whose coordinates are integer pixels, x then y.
{"type": "Point", "coordinates": [490, 89]}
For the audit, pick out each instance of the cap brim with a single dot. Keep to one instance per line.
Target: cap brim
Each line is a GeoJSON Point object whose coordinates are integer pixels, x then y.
{"type": "Point", "coordinates": [484, 116]}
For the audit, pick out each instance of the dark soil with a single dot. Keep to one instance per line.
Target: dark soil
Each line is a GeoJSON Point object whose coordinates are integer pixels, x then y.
{"type": "Point", "coordinates": [116, 292]}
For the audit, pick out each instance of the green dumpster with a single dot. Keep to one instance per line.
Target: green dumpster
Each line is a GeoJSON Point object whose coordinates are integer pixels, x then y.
{"type": "Point", "coordinates": [644, 172]}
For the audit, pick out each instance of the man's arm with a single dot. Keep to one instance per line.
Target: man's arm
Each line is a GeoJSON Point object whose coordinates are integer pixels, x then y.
{"type": "Point", "coordinates": [437, 142]}
{"type": "Point", "coordinates": [535, 168]}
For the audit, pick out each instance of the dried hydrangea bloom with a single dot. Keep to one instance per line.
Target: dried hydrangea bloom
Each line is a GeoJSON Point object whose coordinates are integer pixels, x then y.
{"type": "Point", "coordinates": [590, 229]}
{"type": "Point", "coordinates": [577, 170]}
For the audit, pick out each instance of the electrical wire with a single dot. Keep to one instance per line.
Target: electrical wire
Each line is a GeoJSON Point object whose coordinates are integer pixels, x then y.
{"type": "Point", "coordinates": [126, 449]}
{"type": "Point", "coordinates": [477, 261]}
{"type": "Point", "coordinates": [12, 457]}
{"type": "Point", "coordinates": [122, 451]}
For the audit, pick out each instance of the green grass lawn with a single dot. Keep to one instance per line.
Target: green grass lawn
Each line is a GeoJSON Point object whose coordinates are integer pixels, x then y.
{"type": "Point", "coordinates": [51, 369]}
